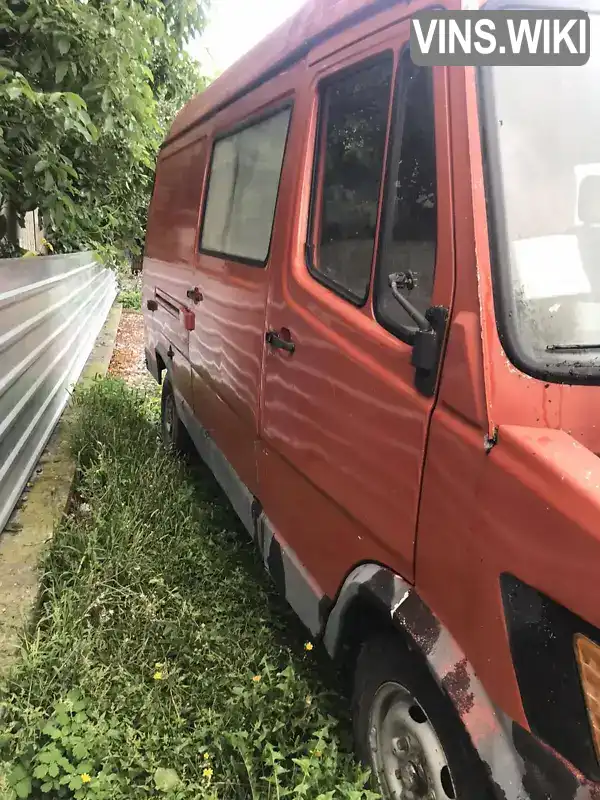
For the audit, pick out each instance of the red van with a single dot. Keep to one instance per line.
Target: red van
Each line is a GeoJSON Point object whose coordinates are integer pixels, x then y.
{"type": "Point", "coordinates": [372, 295]}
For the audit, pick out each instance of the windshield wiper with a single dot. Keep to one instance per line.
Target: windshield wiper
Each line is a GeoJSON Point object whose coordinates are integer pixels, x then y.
{"type": "Point", "coordinates": [574, 347]}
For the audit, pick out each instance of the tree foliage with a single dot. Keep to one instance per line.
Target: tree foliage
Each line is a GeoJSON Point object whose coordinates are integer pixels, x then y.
{"type": "Point", "coordinates": [87, 91]}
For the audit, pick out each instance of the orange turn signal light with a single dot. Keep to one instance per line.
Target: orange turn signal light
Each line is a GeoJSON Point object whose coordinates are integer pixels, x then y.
{"type": "Point", "coordinates": [588, 658]}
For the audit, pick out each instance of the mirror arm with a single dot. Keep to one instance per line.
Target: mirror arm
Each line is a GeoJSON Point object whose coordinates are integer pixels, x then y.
{"type": "Point", "coordinates": [421, 321]}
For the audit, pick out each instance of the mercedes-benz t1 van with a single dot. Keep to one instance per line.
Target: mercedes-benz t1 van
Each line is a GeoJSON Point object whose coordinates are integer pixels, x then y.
{"type": "Point", "coordinates": [372, 296]}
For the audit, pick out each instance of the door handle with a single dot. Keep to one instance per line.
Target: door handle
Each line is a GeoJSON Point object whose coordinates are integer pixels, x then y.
{"type": "Point", "coordinates": [275, 339]}
{"type": "Point", "coordinates": [195, 295]}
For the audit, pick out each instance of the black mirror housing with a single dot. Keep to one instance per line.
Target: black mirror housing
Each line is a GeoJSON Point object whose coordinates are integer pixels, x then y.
{"type": "Point", "coordinates": [427, 350]}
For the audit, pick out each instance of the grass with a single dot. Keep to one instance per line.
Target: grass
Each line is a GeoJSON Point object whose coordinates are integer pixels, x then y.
{"type": "Point", "coordinates": [161, 663]}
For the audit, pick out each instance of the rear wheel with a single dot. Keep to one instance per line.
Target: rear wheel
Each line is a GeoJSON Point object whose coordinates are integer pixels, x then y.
{"type": "Point", "coordinates": [407, 731]}
{"type": "Point", "coordinates": [174, 433]}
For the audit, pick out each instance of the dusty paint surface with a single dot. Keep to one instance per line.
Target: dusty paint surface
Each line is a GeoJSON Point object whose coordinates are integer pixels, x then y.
{"type": "Point", "coordinates": [41, 507]}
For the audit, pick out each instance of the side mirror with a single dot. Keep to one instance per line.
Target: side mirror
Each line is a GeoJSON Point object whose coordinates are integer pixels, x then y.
{"type": "Point", "coordinates": [588, 203]}
{"type": "Point", "coordinates": [428, 337]}
{"type": "Point", "coordinates": [427, 350]}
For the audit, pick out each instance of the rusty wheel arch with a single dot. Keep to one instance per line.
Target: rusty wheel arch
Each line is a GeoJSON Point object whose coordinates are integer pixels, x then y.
{"type": "Point", "coordinates": [395, 604]}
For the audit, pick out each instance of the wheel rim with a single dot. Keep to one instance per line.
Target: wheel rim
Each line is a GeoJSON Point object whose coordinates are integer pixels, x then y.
{"type": "Point", "coordinates": [408, 759]}
{"type": "Point", "coordinates": [169, 418]}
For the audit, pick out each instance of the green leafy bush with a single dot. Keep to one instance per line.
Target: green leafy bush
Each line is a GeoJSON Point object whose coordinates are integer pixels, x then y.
{"type": "Point", "coordinates": [130, 298]}
{"type": "Point", "coordinates": [87, 92]}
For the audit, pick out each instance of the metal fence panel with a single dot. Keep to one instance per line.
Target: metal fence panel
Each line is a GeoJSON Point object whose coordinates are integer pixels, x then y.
{"type": "Point", "coordinates": [51, 311]}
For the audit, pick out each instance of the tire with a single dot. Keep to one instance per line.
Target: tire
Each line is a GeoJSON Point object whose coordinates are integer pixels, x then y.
{"type": "Point", "coordinates": [407, 731]}
{"type": "Point", "coordinates": [174, 434]}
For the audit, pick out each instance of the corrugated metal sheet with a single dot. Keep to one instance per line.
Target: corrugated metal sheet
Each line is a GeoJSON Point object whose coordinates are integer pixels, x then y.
{"type": "Point", "coordinates": [51, 311]}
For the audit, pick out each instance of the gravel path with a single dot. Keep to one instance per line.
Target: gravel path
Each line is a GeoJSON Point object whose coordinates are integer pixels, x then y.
{"type": "Point", "coordinates": [128, 356]}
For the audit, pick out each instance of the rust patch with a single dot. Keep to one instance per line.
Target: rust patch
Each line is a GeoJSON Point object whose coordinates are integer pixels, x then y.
{"type": "Point", "coordinates": [421, 623]}
{"type": "Point", "coordinates": [458, 685]}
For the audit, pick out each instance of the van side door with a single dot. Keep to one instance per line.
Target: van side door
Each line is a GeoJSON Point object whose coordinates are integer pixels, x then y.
{"type": "Point", "coordinates": [344, 427]}
{"type": "Point", "coordinates": [233, 262]}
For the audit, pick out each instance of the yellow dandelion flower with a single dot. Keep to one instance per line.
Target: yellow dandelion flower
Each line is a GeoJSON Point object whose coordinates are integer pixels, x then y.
{"type": "Point", "coordinates": [308, 646]}
{"type": "Point", "coordinates": [206, 756]}
{"type": "Point", "coordinates": [158, 676]}
{"type": "Point", "coordinates": [85, 778]}
{"type": "Point", "coordinates": [207, 772]}
{"type": "Point", "coordinates": [256, 678]}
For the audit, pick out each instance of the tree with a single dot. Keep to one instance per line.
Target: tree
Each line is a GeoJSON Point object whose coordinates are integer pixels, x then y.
{"type": "Point", "coordinates": [87, 91]}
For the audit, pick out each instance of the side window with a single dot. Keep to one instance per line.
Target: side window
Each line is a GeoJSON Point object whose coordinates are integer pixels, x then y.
{"type": "Point", "coordinates": [353, 120]}
{"type": "Point", "coordinates": [409, 228]}
{"type": "Point", "coordinates": [242, 190]}
{"type": "Point", "coordinates": [173, 212]}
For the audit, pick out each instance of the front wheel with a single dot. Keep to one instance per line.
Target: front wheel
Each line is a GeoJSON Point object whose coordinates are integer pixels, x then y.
{"type": "Point", "coordinates": [407, 731]}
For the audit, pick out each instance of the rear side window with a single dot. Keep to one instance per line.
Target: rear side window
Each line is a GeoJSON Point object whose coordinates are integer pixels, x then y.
{"type": "Point", "coordinates": [173, 214]}
{"type": "Point", "coordinates": [409, 228]}
{"type": "Point", "coordinates": [242, 190]}
{"type": "Point", "coordinates": [354, 110]}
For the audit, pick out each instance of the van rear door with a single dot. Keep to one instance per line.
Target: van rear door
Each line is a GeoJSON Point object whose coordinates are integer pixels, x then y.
{"type": "Point", "coordinates": [169, 258]}
{"type": "Point", "coordinates": [344, 429]}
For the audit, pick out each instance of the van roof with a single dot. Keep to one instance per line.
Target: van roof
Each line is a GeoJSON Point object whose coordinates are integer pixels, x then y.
{"type": "Point", "coordinates": [315, 21]}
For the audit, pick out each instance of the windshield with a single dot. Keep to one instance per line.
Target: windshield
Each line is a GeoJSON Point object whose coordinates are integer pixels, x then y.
{"type": "Point", "coordinates": [542, 142]}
